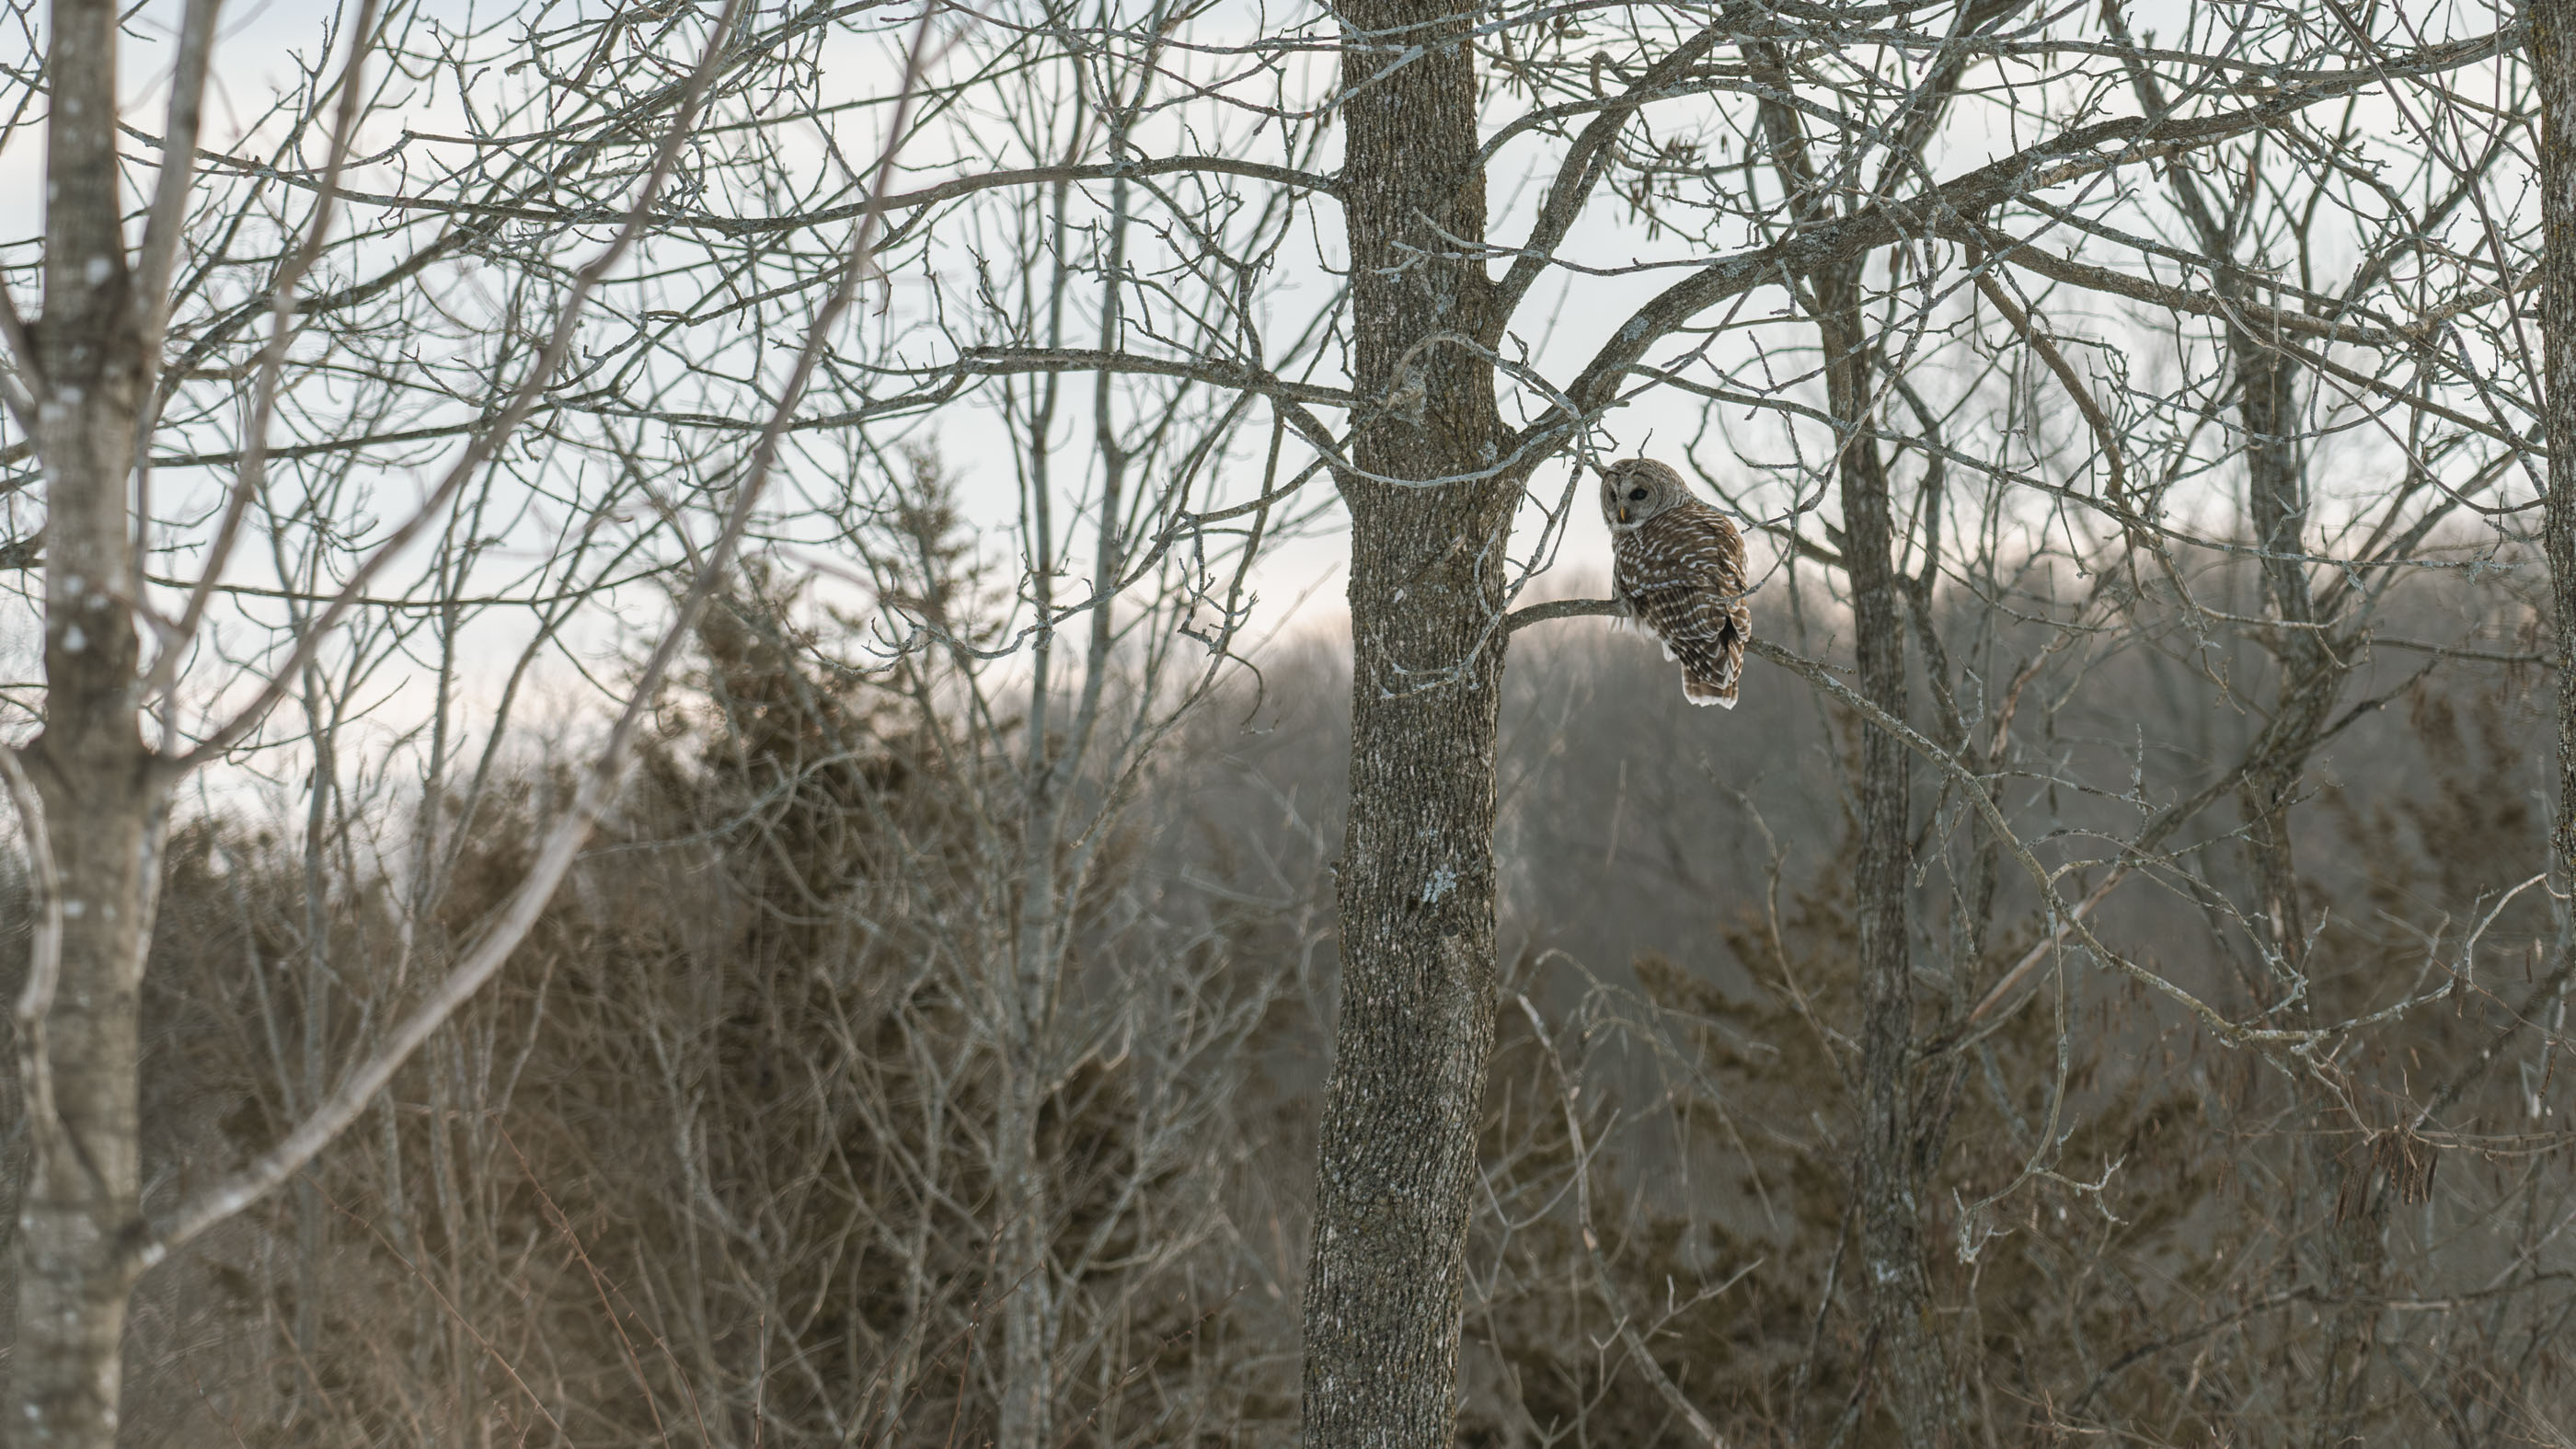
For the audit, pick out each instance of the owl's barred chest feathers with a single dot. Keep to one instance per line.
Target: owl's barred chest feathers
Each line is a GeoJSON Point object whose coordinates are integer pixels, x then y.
{"type": "Point", "coordinates": [1680, 572]}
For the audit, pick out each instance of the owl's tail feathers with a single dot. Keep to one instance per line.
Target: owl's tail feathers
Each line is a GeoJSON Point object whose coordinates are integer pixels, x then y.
{"type": "Point", "coordinates": [1704, 693]}
{"type": "Point", "coordinates": [1713, 681]}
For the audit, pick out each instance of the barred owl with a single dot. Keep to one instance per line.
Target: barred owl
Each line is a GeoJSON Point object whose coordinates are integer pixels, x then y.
{"type": "Point", "coordinates": [1680, 572]}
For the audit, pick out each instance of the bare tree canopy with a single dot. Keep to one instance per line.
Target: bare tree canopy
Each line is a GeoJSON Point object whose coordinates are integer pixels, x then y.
{"type": "Point", "coordinates": [653, 732]}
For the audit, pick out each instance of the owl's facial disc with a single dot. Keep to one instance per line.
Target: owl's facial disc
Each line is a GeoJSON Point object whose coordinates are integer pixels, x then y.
{"type": "Point", "coordinates": [1633, 493]}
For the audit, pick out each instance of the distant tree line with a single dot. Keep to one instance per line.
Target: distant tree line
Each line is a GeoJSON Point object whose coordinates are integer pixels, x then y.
{"type": "Point", "coordinates": [2106, 982]}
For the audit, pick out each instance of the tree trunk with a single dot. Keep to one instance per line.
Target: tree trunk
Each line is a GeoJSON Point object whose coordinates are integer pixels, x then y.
{"type": "Point", "coordinates": [1895, 1150]}
{"type": "Point", "coordinates": [2311, 676]}
{"type": "Point", "coordinates": [1020, 1263]}
{"type": "Point", "coordinates": [2553, 64]}
{"type": "Point", "coordinates": [103, 795]}
{"type": "Point", "coordinates": [1385, 1279]}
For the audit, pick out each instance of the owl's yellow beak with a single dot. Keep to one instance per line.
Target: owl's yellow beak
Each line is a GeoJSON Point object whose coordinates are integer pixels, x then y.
{"type": "Point", "coordinates": [1623, 515]}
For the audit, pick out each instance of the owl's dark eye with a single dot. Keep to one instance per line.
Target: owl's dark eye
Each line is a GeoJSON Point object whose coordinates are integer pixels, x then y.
{"type": "Point", "coordinates": [1636, 495]}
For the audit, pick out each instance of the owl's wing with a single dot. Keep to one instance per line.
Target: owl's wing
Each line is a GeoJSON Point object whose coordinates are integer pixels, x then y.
{"type": "Point", "coordinates": [1685, 578]}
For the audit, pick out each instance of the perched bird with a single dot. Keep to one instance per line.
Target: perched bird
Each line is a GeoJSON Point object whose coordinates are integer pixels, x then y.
{"type": "Point", "coordinates": [1680, 572]}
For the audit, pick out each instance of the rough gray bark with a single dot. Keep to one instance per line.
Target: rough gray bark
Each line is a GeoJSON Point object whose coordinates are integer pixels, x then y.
{"type": "Point", "coordinates": [2553, 64]}
{"type": "Point", "coordinates": [1898, 1143]}
{"type": "Point", "coordinates": [2276, 505]}
{"type": "Point", "coordinates": [103, 793]}
{"type": "Point", "coordinates": [2312, 672]}
{"type": "Point", "coordinates": [1397, 1151]}
{"type": "Point", "coordinates": [1894, 1145]}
